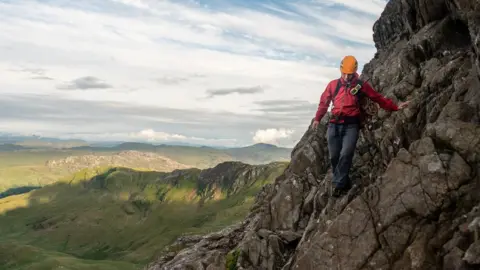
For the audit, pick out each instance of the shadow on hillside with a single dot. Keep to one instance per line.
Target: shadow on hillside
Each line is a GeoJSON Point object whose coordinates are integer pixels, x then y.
{"type": "Point", "coordinates": [109, 180]}
{"type": "Point", "coordinates": [120, 213]}
{"type": "Point", "coordinates": [18, 191]}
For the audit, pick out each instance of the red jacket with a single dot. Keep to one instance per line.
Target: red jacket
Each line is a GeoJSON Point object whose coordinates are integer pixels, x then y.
{"type": "Point", "coordinates": [350, 107]}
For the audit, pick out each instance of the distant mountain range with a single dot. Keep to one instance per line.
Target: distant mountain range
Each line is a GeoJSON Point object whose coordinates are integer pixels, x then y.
{"type": "Point", "coordinates": [188, 154]}
{"type": "Point", "coordinates": [34, 141]}
{"type": "Point", "coordinates": [204, 156]}
{"type": "Point", "coordinates": [29, 142]}
{"type": "Point", "coordinates": [32, 163]}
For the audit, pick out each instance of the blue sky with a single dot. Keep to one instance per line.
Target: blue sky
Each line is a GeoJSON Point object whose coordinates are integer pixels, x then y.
{"type": "Point", "coordinates": [211, 72]}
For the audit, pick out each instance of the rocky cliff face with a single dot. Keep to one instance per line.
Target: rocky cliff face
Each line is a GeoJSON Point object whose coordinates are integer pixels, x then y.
{"type": "Point", "coordinates": [416, 203]}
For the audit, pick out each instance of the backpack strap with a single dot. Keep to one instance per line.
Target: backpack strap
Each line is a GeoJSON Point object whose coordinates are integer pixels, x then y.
{"type": "Point", "coordinates": [359, 94]}
{"type": "Point", "coordinates": [360, 82]}
{"type": "Point", "coordinates": [337, 88]}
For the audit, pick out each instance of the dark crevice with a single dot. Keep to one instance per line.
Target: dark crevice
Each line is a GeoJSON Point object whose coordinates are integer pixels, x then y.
{"type": "Point", "coordinates": [457, 35]}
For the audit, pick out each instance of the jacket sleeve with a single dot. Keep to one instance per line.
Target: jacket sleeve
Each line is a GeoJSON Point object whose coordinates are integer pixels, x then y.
{"type": "Point", "coordinates": [325, 99]}
{"type": "Point", "coordinates": [385, 103]}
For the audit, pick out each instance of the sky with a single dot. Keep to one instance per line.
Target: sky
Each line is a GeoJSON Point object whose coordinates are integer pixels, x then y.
{"type": "Point", "coordinates": [229, 73]}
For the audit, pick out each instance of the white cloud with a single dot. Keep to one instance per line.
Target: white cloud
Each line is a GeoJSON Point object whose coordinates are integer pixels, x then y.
{"type": "Point", "coordinates": [152, 135]}
{"type": "Point", "coordinates": [354, 27]}
{"type": "Point", "coordinates": [169, 54]}
{"type": "Point", "coordinates": [373, 7]}
{"type": "Point", "coordinates": [272, 135]}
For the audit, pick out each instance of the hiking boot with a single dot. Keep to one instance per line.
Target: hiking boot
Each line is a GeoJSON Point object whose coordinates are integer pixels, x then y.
{"type": "Point", "coordinates": [337, 192]}
{"type": "Point", "coordinates": [348, 186]}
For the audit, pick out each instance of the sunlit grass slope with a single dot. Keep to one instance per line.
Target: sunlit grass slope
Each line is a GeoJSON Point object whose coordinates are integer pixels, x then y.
{"type": "Point", "coordinates": [122, 218]}
{"type": "Point", "coordinates": [39, 168]}
{"type": "Point", "coordinates": [26, 168]}
{"type": "Point", "coordinates": [25, 257]}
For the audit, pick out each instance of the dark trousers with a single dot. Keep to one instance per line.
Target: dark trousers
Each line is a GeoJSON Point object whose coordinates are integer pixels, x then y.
{"type": "Point", "coordinates": [342, 139]}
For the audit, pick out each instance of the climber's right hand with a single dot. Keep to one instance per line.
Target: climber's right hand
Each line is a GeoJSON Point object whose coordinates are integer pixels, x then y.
{"type": "Point", "coordinates": [315, 125]}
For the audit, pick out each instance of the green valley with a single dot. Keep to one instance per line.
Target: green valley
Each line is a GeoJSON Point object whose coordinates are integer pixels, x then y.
{"type": "Point", "coordinates": [121, 218]}
{"type": "Point", "coordinates": [23, 163]}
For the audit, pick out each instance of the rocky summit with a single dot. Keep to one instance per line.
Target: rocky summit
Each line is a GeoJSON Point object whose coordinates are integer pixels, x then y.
{"type": "Point", "coordinates": [416, 202]}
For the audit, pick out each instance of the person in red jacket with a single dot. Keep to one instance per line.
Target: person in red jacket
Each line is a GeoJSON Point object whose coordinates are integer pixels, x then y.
{"type": "Point", "coordinates": [344, 125]}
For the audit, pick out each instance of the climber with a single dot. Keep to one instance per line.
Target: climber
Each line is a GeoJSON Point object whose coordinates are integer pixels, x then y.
{"type": "Point", "coordinates": [344, 125]}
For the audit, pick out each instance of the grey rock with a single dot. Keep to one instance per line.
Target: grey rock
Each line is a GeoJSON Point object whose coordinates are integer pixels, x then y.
{"type": "Point", "coordinates": [453, 260]}
{"type": "Point", "coordinates": [472, 256]}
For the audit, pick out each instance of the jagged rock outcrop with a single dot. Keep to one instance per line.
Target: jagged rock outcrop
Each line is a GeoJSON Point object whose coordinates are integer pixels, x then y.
{"type": "Point", "coordinates": [416, 202]}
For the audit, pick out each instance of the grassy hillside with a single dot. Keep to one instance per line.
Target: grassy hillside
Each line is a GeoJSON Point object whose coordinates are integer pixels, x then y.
{"type": "Point", "coordinates": [37, 166]}
{"type": "Point", "coordinates": [26, 257]}
{"type": "Point", "coordinates": [122, 218]}
{"type": "Point", "coordinates": [27, 167]}
{"type": "Point", "coordinates": [41, 167]}
{"type": "Point", "coordinates": [34, 157]}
